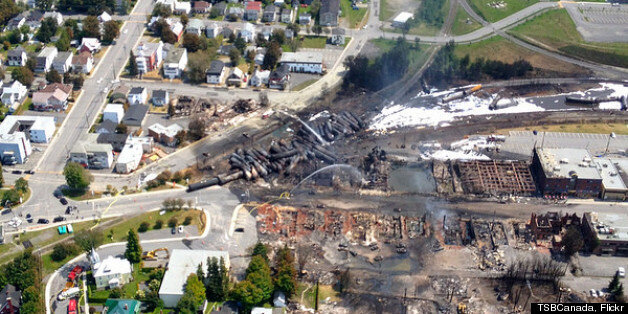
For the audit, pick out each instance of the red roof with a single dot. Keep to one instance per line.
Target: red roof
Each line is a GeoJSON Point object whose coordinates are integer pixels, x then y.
{"type": "Point", "coordinates": [254, 5]}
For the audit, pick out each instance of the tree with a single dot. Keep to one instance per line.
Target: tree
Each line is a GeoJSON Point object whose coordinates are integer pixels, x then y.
{"type": "Point", "coordinates": [193, 296]}
{"type": "Point", "coordinates": [23, 75]}
{"type": "Point", "coordinates": [112, 30]}
{"type": "Point", "coordinates": [272, 56]}
{"type": "Point", "coordinates": [77, 177]}
{"type": "Point", "coordinates": [133, 248]}
{"type": "Point", "coordinates": [11, 197]}
{"type": "Point", "coordinates": [132, 66]}
{"type": "Point", "coordinates": [143, 227]}
{"type": "Point", "coordinates": [173, 222]}
{"type": "Point", "coordinates": [572, 241]}
{"type": "Point", "coordinates": [317, 29]}
{"type": "Point", "coordinates": [61, 251]}
{"type": "Point", "coordinates": [196, 128]}
{"type": "Point", "coordinates": [315, 7]}
{"type": "Point", "coordinates": [279, 35]}
{"type": "Point", "coordinates": [168, 36]}
{"type": "Point", "coordinates": [184, 19]}
{"type": "Point", "coordinates": [53, 76]}
{"type": "Point", "coordinates": [260, 249]}
{"type": "Point", "coordinates": [88, 239]}
{"type": "Point", "coordinates": [162, 10]}
{"type": "Point", "coordinates": [615, 282]}
{"type": "Point", "coordinates": [240, 43]}
{"type": "Point", "coordinates": [247, 293]}
{"type": "Point", "coordinates": [295, 28]}
{"type": "Point", "coordinates": [63, 44]}
{"type": "Point", "coordinates": [21, 185]}
{"type": "Point", "coordinates": [122, 128]}
{"type": "Point", "coordinates": [44, 5]}
{"type": "Point", "coordinates": [123, 8]}
{"type": "Point", "coordinates": [286, 276]}
{"type": "Point", "coordinates": [234, 56]}
{"type": "Point", "coordinates": [171, 110]}
{"type": "Point", "coordinates": [191, 42]}
{"type": "Point", "coordinates": [15, 37]}
{"type": "Point", "coordinates": [47, 30]}
{"type": "Point", "coordinates": [263, 99]}
{"type": "Point", "coordinates": [8, 9]}
{"type": "Point", "coordinates": [1, 177]}
{"type": "Point", "coordinates": [91, 27]}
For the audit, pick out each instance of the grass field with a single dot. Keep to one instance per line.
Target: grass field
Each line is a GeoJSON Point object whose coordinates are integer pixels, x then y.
{"type": "Point", "coordinates": [309, 296]}
{"type": "Point", "coordinates": [417, 57]}
{"type": "Point", "coordinates": [313, 42]}
{"type": "Point", "coordinates": [498, 48]}
{"type": "Point", "coordinates": [599, 128]}
{"type": "Point", "coordinates": [119, 231]}
{"type": "Point", "coordinates": [353, 17]}
{"type": "Point", "coordinates": [423, 29]}
{"type": "Point", "coordinates": [303, 85]}
{"type": "Point", "coordinates": [556, 30]}
{"type": "Point", "coordinates": [494, 14]}
{"type": "Point", "coordinates": [464, 24]}
{"type": "Point", "coordinates": [385, 11]}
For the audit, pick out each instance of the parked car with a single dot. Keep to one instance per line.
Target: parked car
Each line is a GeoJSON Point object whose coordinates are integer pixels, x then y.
{"type": "Point", "coordinates": [174, 230]}
{"type": "Point", "coordinates": [621, 272]}
{"type": "Point", "coordinates": [57, 194]}
{"type": "Point", "coordinates": [593, 293]}
{"type": "Point", "coordinates": [63, 201]}
{"type": "Point", "coordinates": [16, 171]}
{"type": "Point", "coordinates": [180, 229]}
{"type": "Point", "coordinates": [29, 218]}
{"type": "Point", "coordinates": [58, 219]}
{"type": "Point", "coordinates": [43, 221]}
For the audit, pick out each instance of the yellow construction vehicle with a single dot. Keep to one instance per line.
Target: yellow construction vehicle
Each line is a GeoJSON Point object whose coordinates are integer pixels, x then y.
{"type": "Point", "coordinates": [151, 255]}
{"type": "Point", "coordinates": [462, 308]}
{"type": "Point", "coordinates": [475, 88]}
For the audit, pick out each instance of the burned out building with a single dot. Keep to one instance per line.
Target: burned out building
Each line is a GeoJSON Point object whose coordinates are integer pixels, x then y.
{"type": "Point", "coordinates": [545, 226]}
{"type": "Point", "coordinates": [610, 231]}
{"type": "Point", "coordinates": [566, 171]}
{"type": "Point", "coordinates": [496, 177]}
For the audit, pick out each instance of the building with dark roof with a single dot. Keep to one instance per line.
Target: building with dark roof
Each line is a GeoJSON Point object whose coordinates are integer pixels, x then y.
{"type": "Point", "coordinates": [106, 127]}
{"type": "Point", "coordinates": [135, 115]}
{"type": "Point", "coordinates": [280, 77]}
{"type": "Point", "coordinates": [329, 12]}
{"type": "Point", "coordinates": [10, 299]}
{"type": "Point", "coordinates": [216, 72]}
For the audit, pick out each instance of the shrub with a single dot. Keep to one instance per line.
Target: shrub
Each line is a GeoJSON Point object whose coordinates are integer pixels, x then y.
{"type": "Point", "coordinates": [143, 227]}
{"type": "Point", "coordinates": [173, 222]}
{"type": "Point", "coordinates": [158, 224]}
{"type": "Point", "coordinates": [187, 221]}
{"type": "Point", "coordinates": [115, 293]}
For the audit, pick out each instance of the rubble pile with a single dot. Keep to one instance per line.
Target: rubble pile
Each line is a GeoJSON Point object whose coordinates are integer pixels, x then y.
{"type": "Point", "coordinates": [283, 156]}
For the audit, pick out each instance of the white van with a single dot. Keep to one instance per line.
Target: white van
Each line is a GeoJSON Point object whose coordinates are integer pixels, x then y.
{"type": "Point", "coordinates": [70, 293]}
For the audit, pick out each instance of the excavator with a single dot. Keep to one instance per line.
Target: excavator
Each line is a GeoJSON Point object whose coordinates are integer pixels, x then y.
{"type": "Point", "coordinates": [151, 255]}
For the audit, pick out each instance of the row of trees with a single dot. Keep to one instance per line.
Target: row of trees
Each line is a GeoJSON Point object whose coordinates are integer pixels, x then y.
{"type": "Point", "coordinates": [8, 10]}
{"type": "Point", "coordinates": [430, 12]}
{"type": "Point", "coordinates": [93, 7]}
{"type": "Point", "coordinates": [24, 272]}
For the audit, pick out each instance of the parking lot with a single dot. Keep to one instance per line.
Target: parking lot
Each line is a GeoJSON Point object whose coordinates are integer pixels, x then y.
{"type": "Point", "coordinates": [600, 22]}
{"type": "Point", "coordinates": [522, 142]}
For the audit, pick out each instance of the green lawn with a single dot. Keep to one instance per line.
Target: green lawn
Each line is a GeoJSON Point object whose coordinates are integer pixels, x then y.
{"type": "Point", "coordinates": [303, 85]}
{"type": "Point", "coordinates": [464, 24]}
{"type": "Point", "coordinates": [119, 231]}
{"type": "Point", "coordinates": [24, 106]}
{"type": "Point", "coordinates": [491, 13]}
{"type": "Point", "coordinates": [417, 57]}
{"type": "Point", "coordinates": [556, 30]}
{"type": "Point", "coordinates": [313, 42]}
{"type": "Point", "coordinates": [98, 297]}
{"type": "Point", "coordinates": [421, 28]}
{"type": "Point", "coordinates": [385, 12]}
{"type": "Point", "coordinates": [353, 17]}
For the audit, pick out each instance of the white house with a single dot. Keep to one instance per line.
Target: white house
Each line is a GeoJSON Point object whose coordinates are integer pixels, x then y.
{"type": "Point", "coordinates": [62, 62]}
{"type": "Point", "coordinates": [248, 32]}
{"type": "Point", "coordinates": [212, 30]}
{"type": "Point", "coordinates": [39, 129]}
{"type": "Point", "coordinates": [216, 72]}
{"type": "Point", "coordinates": [104, 17]}
{"type": "Point", "coordinates": [195, 26]}
{"type": "Point", "coordinates": [113, 112]}
{"type": "Point", "coordinates": [17, 57]}
{"type": "Point", "coordinates": [167, 3]}
{"type": "Point", "coordinates": [401, 19]}
{"type": "Point", "coordinates": [12, 94]}
{"type": "Point", "coordinates": [90, 44]}
{"type": "Point", "coordinates": [138, 95]}
{"type": "Point", "coordinates": [112, 272]}
{"type": "Point", "coordinates": [131, 154]}
{"type": "Point", "coordinates": [175, 63]}
{"type": "Point", "coordinates": [260, 78]}
{"type": "Point", "coordinates": [45, 58]}
{"type": "Point", "coordinates": [183, 263]}
{"type": "Point", "coordinates": [181, 7]}
{"type": "Point", "coordinates": [83, 62]}
{"type": "Point", "coordinates": [303, 61]}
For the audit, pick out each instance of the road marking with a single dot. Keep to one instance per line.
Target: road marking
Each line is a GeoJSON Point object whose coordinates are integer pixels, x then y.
{"type": "Point", "coordinates": [106, 210]}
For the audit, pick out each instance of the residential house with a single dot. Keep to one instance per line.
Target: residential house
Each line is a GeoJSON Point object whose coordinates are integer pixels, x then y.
{"type": "Point", "coordinates": [106, 127]}
{"type": "Point", "coordinates": [90, 44]}
{"type": "Point", "coordinates": [181, 7]}
{"type": "Point", "coordinates": [329, 12]}
{"type": "Point", "coordinates": [16, 22]}
{"type": "Point", "coordinates": [337, 36]}
{"type": "Point", "coordinates": [280, 77]}
{"type": "Point", "coordinates": [182, 263]}
{"type": "Point", "coordinates": [201, 7]}
{"type": "Point", "coordinates": [38, 129]}
{"type": "Point", "coordinates": [259, 78]}
{"type": "Point", "coordinates": [227, 31]}
{"type": "Point", "coordinates": [113, 112]}
{"type": "Point", "coordinates": [253, 10]}
{"type": "Point", "coordinates": [83, 63]}
{"type": "Point", "coordinates": [195, 26]}
{"type": "Point", "coordinates": [220, 8]}
{"type": "Point", "coordinates": [305, 19]}
{"type": "Point", "coordinates": [287, 15]}
{"type": "Point", "coordinates": [248, 32]}
{"type": "Point", "coordinates": [119, 94]}
{"type": "Point", "coordinates": [138, 95]}
{"type": "Point", "coordinates": [45, 58]}
{"type": "Point", "coordinates": [148, 56]}
{"type": "Point", "coordinates": [176, 27]}
{"type": "Point", "coordinates": [175, 63]}
{"type": "Point", "coordinates": [164, 51]}
{"type": "Point", "coordinates": [62, 62]}
{"type": "Point", "coordinates": [90, 154]}
{"type": "Point", "coordinates": [135, 115]}
{"type": "Point", "coordinates": [266, 32]}
{"type": "Point", "coordinates": [167, 3]}
{"type": "Point", "coordinates": [235, 13]}
{"type": "Point", "coordinates": [121, 306]}
{"type": "Point", "coordinates": [34, 18]}
{"type": "Point", "coordinates": [13, 94]}
{"type": "Point", "coordinates": [104, 17]}
{"type": "Point", "coordinates": [279, 3]}
{"type": "Point", "coordinates": [117, 141]}
{"type": "Point", "coordinates": [160, 98]}
{"type": "Point", "coordinates": [132, 152]}
{"type": "Point", "coordinates": [165, 135]}
{"type": "Point", "coordinates": [112, 272]}
{"type": "Point", "coordinates": [236, 78]}
{"type": "Point", "coordinates": [17, 57]}
{"type": "Point", "coordinates": [303, 61]}
{"type": "Point", "coordinates": [52, 97]}
{"type": "Point", "coordinates": [225, 49]}
{"type": "Point", "coordinates": [212, 30]}
{"type": "Point", "coordinates": [10, 299]}
{"type": "Point", "coordinates": [270, 13]}
{"type": "Point", "coordinates": [216, 72]}
{"type": "Point", "coordinates": [259, 57]}
{"type": "Point", "coordinates": [58, 17]}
